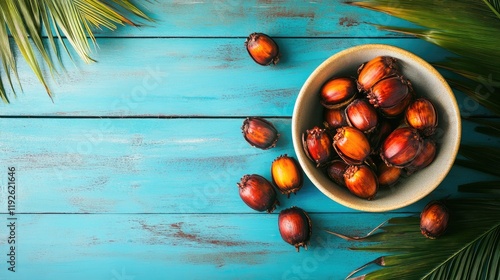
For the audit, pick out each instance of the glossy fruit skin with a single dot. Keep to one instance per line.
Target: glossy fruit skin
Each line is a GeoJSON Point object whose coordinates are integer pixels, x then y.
{"type": "Point", "coordinates": [286, 174]}
{"type": "Point", "coordinates": [351, 145]}
{"type": "Point", "coordinates": [390, 92]}
{"type": "Point", "coordinates": [425, 157]}
{"type": "Point", "coordinates": [335, 171]}
{"type": "Point", "coordinates": [259, 133]}
{"type": "Point", "coordinates": [388, 175]}
{"type": "Point", "coordinates": [361, 181]}
{"type": "Point", "coordinates": [295, 227]}
{"type": "Point", "coordinates": [434, 219]}
{"type": "Point", "coordinates": [374, 70]}
{"type": "Point", "coordinates": [262, 49]}
{"type": "Point", "coordinates": [398, 109]}
{"type": "Point", "coordinates": [401, 147]}
{"type": "Point", "coordinates": [317, 145]}
{"type": "Point", "coordinates": [338, 92]}
{"type": "Point", "coordinates": [361, 115]}
{"type": "Point", "coordinates": [334, 118]}
{"type": "Point", "coordinates": [422, 115]}
{"type": "Point", "coordinates": [378, 136]}
{"type": "Point", "coordinates": [258, 193]}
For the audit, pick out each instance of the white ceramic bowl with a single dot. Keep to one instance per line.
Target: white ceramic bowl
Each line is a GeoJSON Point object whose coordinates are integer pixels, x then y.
{"type": "Point", "coordinates": [426, 81]}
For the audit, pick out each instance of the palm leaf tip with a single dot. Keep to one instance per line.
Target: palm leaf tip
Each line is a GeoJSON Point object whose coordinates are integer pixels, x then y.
{"type": "Point", "coordinates": [26, 20]}
{"type": "Point", "coordinates": [380, 261]}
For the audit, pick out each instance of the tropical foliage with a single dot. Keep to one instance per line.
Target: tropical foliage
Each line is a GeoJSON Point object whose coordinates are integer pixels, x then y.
{"type": "Point", "coordinates": [471, 247]}
{"type": "Point", "coordinates": [39, 30]}
{"type": "Point", "coordinates": [468, 28]}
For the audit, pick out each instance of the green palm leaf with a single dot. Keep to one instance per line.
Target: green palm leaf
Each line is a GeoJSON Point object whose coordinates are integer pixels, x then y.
{"type": "Point", "coordinates": [467, 28]}
{"type": "Point", "coordinates": [486, 187]}
{"type": "Point", "coordinates": [71, 20]}
{"type": "Point", "coordinates": [469, 250]}
{"type": "Point", "coordinates": [481, 157]}
{"type": "Point", "coordinates": [494, 5]}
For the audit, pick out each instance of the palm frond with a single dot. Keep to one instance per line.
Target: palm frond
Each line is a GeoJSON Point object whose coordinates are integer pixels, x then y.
{"type": "Point", "coordinates": [8, 61]}
{"type": "Point", "coordinates": [487, 130]}
{"type": "Point", "coordinates": [493, 170]}
{"type": "Point", "coordinates": [14, 22]}
{"type": "Point", "coordinates": [492, 123]}
{"type": "Point", "coordinates": [469, 250]}
{"type": "Point", "coordinates": [74, 20]}
{"type": "Point", "coordinates": [480, 157]}
{"type": "Point", "coordinates": [486, 187]}
{"type": "Point", "coordinates": [494, 6]}
{"type": "Point", "coordinates": [490, 127]}
{"type": "Point", "coordinates": [477, 93]}
{"type": "Point", "coordinates": [467, 28]}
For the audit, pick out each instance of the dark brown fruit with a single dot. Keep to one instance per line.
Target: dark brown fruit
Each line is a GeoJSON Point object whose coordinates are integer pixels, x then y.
{"type": "Point", "coordinates": [422, 115]}
{"type": "Point", "coordinates": [317, 145]}
{"type": "Point", "coordinates": [401, 147]}
{"type": "Point", "coordinates": [361, 181]}
{"type": "Point", "coordinates": [295, 227]}
{"type": "Point", "coordinates": [338, 92]}
{"type": "Point", "coordinates": [398, 109]}
{"type": "Point", "coordinates": [286, 174]}
{"type": "Point", "coordinates": [258, 193]}
{"type": "Point", "coordinates": [351, 145]}
{"type": "Point", "coordinates": [335, 171]}
{"type": "Point", "coordinates": [334, 118]}
{"type": "Point", "coordinates": [434, 219]}
{"type": "Point", "coordinates": [361, 115]}
{"type": "Point", "coordinates": [259, 133]}
{"type": "Point", "coordinates": [387, 175]}
{"type": "Point", "coordinates": [374, 70]}
{"type": "Point", "coordinates": [389, 92]}
{"type": "Point", "coordinates": [262, 49]}
{"type": "Point", "coordinates": [424, 157]}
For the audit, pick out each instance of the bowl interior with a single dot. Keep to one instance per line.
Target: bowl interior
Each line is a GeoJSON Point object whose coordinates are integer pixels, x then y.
{"type": "Point", "coordinates": [426, 81]}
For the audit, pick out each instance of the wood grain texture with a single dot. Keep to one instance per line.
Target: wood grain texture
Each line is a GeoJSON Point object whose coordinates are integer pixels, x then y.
{"type": "Point", "coordinates": [154, 166]}
{"type": "Point", "coordinates": [153, 195]}
{"type": "Point", "coordinates": [191, 77]}
{"type": "Point", "coordinates": [177, 246]}
{"type": "Point", "coordinates": [238, 18]}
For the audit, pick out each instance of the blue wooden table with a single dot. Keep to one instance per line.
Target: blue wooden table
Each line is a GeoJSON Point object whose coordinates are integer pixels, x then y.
{"type": "Point", "coordinates": [131, 172]}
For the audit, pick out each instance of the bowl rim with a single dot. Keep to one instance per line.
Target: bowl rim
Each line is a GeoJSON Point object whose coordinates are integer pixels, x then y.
{"type": "Point", "coordinates": [297, 136]}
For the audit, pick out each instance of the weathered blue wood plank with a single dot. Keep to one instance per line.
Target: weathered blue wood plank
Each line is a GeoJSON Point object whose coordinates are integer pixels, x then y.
{"type": "Point", "coordinates": [154, 166]}
{"type": "Point", "coordinates": [176, 246]}
{"type": "Point", "coordinates": [162, 193]}
{"type": "Point", "coordinates": [191, 77]}
{"type": "Point", "coordinates": [239, 18]}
